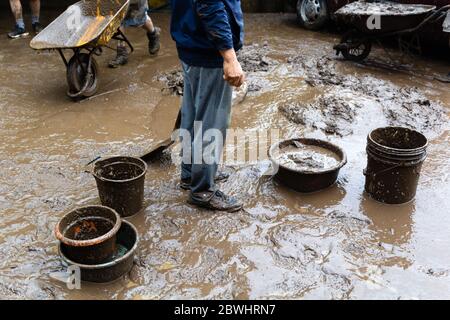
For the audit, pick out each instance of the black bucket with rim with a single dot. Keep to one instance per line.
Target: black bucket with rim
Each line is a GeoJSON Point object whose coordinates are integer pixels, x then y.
{"type": "Point", "coordinates": [395, 157]}
{"type": "Point", "coordinates": [89, 234]}
{"type": "Point", "coordinates": [120, 183]}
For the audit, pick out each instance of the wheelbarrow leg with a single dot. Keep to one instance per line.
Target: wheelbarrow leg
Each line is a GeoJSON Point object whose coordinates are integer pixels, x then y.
{"type": "Point", "coordinates": [61, 54]}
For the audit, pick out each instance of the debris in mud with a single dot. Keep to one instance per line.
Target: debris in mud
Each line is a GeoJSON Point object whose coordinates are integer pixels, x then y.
{"type": "Point", "coordinates": [173, 81]}
{"type": "Point", "coordinates": [335, 111]}
{"type": "Point", "coordinates": [331, 113]}
{"type": "Point", "coordinates": [307, 158]}
{"type": "Point", "coordinates": [253, 58]}
{"type": "Point", "coordinates": [382, 8]}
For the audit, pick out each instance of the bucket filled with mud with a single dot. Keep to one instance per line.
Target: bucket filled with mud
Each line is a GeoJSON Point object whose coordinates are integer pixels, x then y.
{"type": "Point", "coordinates": [395, 157]}
{"type": "Point", "coordinates": [120, 183]}
{"type": "Point", "coordinates": [118, 265]}
{"type": "Point", "coordinates": [307, 165]}
{"type": "Point", "coordinates": [89, 234]}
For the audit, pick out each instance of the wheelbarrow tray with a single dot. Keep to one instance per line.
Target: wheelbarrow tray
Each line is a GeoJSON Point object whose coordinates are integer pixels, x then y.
{"type": "Point", "coordinates": [393, 17]}
{"type": "Point", "coordinates": [85, 23]}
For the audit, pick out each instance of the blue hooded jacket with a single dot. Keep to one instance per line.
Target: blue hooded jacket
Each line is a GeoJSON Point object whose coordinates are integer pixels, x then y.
{"type": "Point", "coordinates": [202, 28]}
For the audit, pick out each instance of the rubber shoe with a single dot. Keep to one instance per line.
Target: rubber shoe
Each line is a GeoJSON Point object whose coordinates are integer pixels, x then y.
{"type": "Point", "coordinates": [185, 184]}
{"type": "Point", "coordinates": [37, 27]}
{"type": "Point", "coordinates": [215, 200]}
{"type": "Point", "coordinates": [120, 59]}
{"type": "Point", "coordinates": [18, 33]}
{"type": "Point", "coordinates": [154, 43]}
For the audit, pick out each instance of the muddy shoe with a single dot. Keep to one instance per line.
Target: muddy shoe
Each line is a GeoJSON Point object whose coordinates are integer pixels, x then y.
{"type": "Point", "coordinates": [215, 200]}
{"type": "Point", "coordinates": [18, 33]}
{"type": "Point", "coordinates": [185, 184]}
{"type": "Point", "coordinates": [121, 58]}
{"type": "Point", "coordinates": [37, 27]}
{"type": "Point", "coordinates": [153, 41]}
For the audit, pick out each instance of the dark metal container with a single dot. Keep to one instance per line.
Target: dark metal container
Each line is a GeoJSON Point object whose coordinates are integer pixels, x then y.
{"type": "Point", "coordinates": [395, 157]}
{"type": "Point", "coordinates": [119, 265]}
{"type": "Point", "coordinates": [120, 183]}
{"type": "Point", "coordinates": [307, 181]}
{"type": "Point", "coordinates": [89, 234]}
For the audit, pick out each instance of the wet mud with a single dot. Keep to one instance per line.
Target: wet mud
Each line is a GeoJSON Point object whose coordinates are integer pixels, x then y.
{"type": "Point", "coordinates": [307, 158]}
{"type": "Point", "coordinates": [253, 59]}
{"type": "Point", "coordinates": [335, 244]}
{"type": "Point", "coordinates": [380, 8]}
{"type": "Point", "coordinates": [347, 97]}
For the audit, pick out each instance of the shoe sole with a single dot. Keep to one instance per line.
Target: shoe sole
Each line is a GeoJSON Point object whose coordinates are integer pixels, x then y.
{"type": "Point", "coordinates": [115, 66]}
{"type": "Point", "coordinates": [23, 35]}
{"type": "Point", "coordinates": [205, 206]}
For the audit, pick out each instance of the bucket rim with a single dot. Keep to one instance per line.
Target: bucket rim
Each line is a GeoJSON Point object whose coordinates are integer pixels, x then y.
{"type": "Point", "coordinates": [120, 181]}
{"type": "Point", "coordinates": [371, 140]}
{"type": "Point", "coordinates": [91, 242]}
{"type": "Point", "coordinates": [315, 142]}
{"type": "Point", "coordinates": [106, 264]}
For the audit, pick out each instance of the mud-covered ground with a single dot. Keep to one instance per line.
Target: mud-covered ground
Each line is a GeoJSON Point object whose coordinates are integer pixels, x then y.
{"type": "Point", "coordinates": [337, 243]}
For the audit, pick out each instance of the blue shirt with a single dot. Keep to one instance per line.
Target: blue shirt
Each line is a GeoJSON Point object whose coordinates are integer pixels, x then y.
{"type": "Point", "coordinates": [202, 28]}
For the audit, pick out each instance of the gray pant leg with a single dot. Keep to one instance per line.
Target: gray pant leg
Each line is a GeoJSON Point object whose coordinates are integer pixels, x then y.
{"type": "Point", "coordinates": [207, 105]}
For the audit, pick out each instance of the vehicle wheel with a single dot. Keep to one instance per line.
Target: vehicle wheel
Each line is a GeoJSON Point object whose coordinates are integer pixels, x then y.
{"type": "Point", "coordinates": [81, 84]}
{"type": "Point", "coordinates": [361, 48]}
{"type": "Point", "coordinates": [312, 14]}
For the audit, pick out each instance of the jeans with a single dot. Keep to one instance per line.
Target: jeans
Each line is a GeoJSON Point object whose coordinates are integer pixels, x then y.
{"type": "Point", "coordinates": [206, 105]}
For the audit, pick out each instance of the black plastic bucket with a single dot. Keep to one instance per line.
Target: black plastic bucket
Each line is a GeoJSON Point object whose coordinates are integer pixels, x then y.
{"type": "Point", "coordinates": [89, 234]}
{"type": "Point", "coordinates": [120, 264]}
{"type": "Point", "coordinates": [395, 156]}
{"type": "Point", "coordinates": [120, 183]}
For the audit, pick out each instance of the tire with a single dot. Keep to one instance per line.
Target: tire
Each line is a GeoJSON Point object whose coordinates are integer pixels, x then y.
{"type": "Point", "coordinates": [359, 53]}
{"type": "Point", "coordinates": [312, 14]}
{"type": "Point", "coordinates": [76, 76]}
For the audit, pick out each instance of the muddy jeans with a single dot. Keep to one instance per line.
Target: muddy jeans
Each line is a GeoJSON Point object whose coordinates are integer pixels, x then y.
{"type": "Point", "coordinates": [206, 105]}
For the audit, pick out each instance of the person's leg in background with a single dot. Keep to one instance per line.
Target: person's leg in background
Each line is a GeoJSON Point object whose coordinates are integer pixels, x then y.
{"type": "Point", "coordinates": [153, 35]}
{"type": "Point", "coordinates": [122, 53]}
{"type": "Point", "coordinates": [35, 13]}
{"type": "Point", "coordinates": [19, 29]}
{"type": "Point", "coordinates": [137, 17]}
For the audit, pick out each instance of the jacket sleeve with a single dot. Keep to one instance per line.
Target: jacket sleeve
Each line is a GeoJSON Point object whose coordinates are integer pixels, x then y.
{"type": "Point", "coordinates": [214, 18]}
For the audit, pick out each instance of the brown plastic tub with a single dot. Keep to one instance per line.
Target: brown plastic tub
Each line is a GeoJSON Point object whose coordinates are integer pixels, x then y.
{"type": "Point", "coordinates": [307, 181]}
{"type": "Point", "coordinates": [89, 234]}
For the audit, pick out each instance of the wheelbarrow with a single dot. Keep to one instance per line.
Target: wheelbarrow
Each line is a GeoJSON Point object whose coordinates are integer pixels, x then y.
{"type": "Point", "coordinates": [84, 28]}
{"type": "Point", "coordinates": [371, 22]}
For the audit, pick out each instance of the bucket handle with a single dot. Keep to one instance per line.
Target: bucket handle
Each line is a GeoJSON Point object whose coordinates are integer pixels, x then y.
{"type": "Point", "coordinates": [91, 162]}
{"type": "Point", "coordinates": [381, 171]}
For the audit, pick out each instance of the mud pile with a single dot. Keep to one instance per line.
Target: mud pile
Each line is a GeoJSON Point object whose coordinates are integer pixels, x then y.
{"type": "Point", "coordinates": [347, 96]}
{"type": "Point", "coordinates": [253, 59]}
{"type": "Point", "coordinates": [173, 82]}
{"type": "Point", "coordinates": [382, 8]}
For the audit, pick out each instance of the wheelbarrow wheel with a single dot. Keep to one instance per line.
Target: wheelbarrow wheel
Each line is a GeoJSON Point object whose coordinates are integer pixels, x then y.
{"type": "Point", "coordinates": [354, 48]}
{"type": "Point", "coordinates": [82, 82]}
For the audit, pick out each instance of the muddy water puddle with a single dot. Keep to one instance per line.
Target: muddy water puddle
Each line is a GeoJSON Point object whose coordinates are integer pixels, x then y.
{"type": "Point", "coordinates": [334, 244]}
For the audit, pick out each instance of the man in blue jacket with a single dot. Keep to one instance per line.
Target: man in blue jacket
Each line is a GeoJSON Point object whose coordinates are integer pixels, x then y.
{"type": "Point", "coordinates": [207, 34]}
